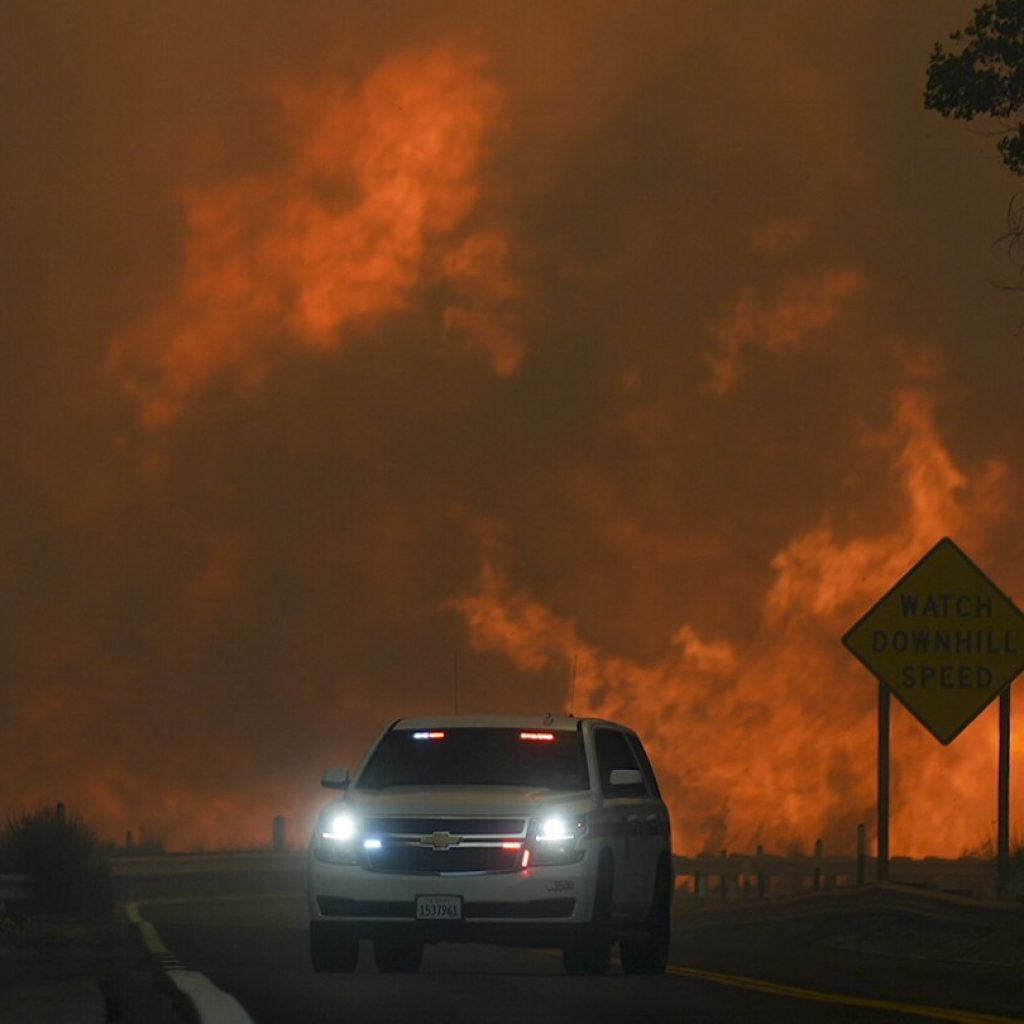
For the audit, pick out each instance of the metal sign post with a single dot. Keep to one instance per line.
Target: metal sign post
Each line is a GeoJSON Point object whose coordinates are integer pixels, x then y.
{"type": "Point", "coordinates": [882, 869]}
{"type": "Point", "coordinates": [1004, 790]}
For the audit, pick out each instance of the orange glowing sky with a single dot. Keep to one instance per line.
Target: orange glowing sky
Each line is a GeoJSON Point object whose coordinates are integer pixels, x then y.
{"type": "Point", "coordinates": [642, 344]}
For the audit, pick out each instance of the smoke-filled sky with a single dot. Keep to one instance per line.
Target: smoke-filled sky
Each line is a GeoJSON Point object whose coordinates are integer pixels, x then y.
{"type": "Point", "coordinates": [351, 350]}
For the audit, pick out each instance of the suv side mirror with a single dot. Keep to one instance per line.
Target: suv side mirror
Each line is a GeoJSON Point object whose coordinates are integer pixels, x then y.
{"type": "Point", "coordinates": [338, 778]}
{"type": "Point", "coordinates": [626, 777]}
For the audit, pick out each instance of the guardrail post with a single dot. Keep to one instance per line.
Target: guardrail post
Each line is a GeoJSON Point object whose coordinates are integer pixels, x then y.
{"type": "Point", "coordinates": [762, 878]}
{"type": "Point", "coordinates": [862, 854]}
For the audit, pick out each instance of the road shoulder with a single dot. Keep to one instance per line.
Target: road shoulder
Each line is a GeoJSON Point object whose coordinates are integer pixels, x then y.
{"type": "Point", "coordinates": [76, 972]}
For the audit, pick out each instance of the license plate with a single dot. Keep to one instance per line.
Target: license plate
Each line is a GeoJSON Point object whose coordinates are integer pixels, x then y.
{"type": "Point", "coordinates": [439, 908]}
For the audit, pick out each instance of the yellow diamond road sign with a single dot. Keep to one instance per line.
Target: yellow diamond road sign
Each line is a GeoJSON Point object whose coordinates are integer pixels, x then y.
{"type": "Point", "coordinates": [945, 640]}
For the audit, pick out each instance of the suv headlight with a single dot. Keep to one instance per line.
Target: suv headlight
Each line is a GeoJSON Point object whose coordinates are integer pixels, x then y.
{"type": "Point", "coordinates": [336, 837]}
{"type": "Point", "coordinates": [555, 839]}
{"type": "Point", "coordinates": [341, 827]}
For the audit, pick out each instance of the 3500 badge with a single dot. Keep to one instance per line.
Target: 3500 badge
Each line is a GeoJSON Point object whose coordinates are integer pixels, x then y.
{"type": "Point", "coordinates": [562, 885]}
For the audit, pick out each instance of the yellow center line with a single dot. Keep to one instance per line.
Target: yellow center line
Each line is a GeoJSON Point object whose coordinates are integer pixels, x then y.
{"type": "Point", "coordinates": [792, 992]}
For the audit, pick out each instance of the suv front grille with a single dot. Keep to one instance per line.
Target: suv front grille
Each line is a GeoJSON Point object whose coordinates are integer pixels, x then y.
{"type": "Point", "coordinates": [418, 860]}
{"type": "Point", "coordinates": [436, 846]}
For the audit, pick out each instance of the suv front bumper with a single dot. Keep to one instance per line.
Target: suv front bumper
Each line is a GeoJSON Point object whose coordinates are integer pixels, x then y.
{"type": "Point", "coordinates": [544, 905]}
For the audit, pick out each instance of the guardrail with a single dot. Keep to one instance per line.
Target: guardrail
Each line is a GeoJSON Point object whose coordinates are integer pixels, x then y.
{"type": "Point", "coordinates": [14, 889]}
{"type": "Point", "coordinates": [205, 863]}
{"type": "Point", "coordinates": [737, 877]}
{"type": "Point", "coordinates": [730, 878]}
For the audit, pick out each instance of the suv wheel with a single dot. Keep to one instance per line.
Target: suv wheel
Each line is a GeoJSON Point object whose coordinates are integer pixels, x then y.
{"type": "Point", "coordinates": [650, 955]}
{"type": "Point", "coordinates": [591, 952]}
{"type": "Point", "coordinates": [332, 949]}
{"type": "Point", "coordinates": [397, 956]}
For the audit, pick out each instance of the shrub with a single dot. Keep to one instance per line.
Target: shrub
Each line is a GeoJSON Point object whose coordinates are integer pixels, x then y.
{"type": "Point", "coordinates": [60, 855]}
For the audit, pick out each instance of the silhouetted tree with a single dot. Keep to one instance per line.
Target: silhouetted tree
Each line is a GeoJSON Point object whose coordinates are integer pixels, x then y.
{"type": "Point", "coordinates": [986, 77]}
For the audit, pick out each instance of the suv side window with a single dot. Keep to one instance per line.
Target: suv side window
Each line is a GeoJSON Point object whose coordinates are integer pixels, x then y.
{"type": "Point", "coordinates": [613, 752]}
{"type": "Point", "coordinates": [645, 765]}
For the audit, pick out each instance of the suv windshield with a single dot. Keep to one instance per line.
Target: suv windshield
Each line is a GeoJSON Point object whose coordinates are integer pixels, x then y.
{"type": "Point", "coordinates": [552, 759]}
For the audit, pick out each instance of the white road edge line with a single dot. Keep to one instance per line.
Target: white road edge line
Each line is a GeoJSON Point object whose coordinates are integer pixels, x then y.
{"type": "Point", "coordinates": [213, 1005]}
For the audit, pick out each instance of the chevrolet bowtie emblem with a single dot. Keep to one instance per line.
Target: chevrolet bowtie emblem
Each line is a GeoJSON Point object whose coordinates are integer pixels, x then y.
{"type": "Point", "coordinates": [441, 841]}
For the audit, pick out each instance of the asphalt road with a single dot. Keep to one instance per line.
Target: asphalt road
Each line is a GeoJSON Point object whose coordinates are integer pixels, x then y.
{"type": "Point", "coordinates": [253, 944]}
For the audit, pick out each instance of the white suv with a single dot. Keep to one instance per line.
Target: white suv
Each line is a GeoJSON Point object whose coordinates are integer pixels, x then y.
{"type": "Point", "coordinates": [507, 829]}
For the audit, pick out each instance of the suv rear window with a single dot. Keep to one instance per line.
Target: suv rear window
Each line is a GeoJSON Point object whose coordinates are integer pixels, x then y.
{"type": "Point", "coordinates": [542, 758]}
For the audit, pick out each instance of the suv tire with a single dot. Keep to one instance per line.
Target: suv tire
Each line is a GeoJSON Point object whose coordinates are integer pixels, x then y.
{"type": "Point", "coordinates": [650, 955]}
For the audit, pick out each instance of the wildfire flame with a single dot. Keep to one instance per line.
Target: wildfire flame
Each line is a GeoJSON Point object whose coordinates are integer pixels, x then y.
{"type": "Point", "coordinates": [774, 742]}
{"type": "Point", "coordinates": [371, 202]}
{"type": "Point", "coordinates": [805, 304]}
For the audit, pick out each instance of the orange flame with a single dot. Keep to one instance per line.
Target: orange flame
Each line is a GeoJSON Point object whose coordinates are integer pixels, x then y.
{"type": "Point", "coordinates": [774, 742]}
{"type": "Point", "coordinates": [367, 206]}
{"type": "Point", "coordinates": [805, 304]}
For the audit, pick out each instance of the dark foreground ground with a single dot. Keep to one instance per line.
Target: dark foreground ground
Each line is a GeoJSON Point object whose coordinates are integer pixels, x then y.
{"type": "Point", "coordinates": [74, 972]}
{"type": "Point", "coordinates": [897, 921]}
{"type": "Point", "coordinates": [87, 973]}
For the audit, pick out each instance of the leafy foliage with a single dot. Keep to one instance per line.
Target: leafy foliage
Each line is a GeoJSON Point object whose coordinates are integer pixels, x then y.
{"type": "Point", "coordinates": [60, 855]}
{"type": "Point", "coordinates": [985, 78]}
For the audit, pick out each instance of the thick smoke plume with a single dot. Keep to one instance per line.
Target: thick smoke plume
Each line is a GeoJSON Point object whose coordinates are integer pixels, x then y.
{"type": "Point", "coordinates": [361, 359]}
